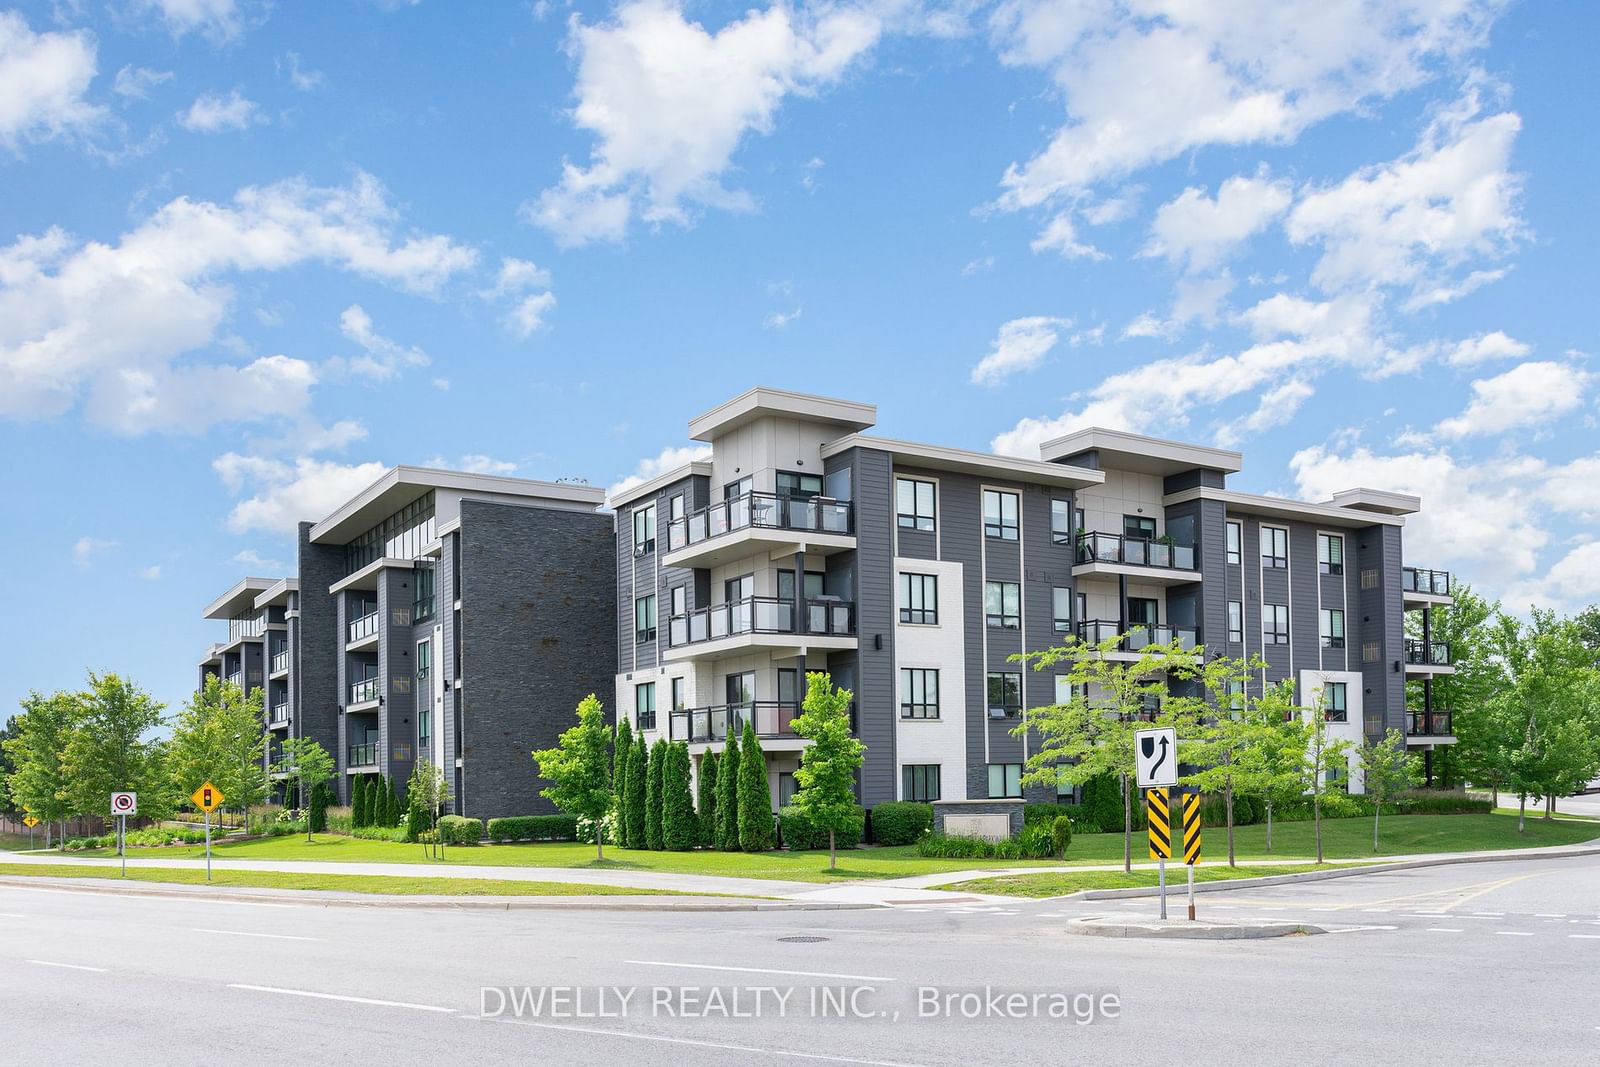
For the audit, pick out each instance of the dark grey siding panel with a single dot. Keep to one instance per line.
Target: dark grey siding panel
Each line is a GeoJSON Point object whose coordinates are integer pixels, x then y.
{"type": "Point", "coordinates": [316, 674]}
{"type": "Point", "coordinates": [1381, 628]}
{"type": "Point", "coordinates": [1303, 629]}
{"type": "Point", "coordinates": [873, 485]}
{"type": "Point", "coordinates": [397, 721]}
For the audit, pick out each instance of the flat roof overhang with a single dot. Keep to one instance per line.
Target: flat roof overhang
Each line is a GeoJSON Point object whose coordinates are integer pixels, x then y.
{"type": "Point", "coordinates": [1123, 451]}
{"type": "Point", "coordinates": [962, 461]}
{"type": "Point", "coordinates": [401, 485]}
{"type": "Point", "coordinates": [278, 592]}
{"type": "Point", "coordinates": [765, 402]}
{"type": "Point", "coordinates": [240, 598]}
{"type": "Point", "coordinates": [1283, 508]}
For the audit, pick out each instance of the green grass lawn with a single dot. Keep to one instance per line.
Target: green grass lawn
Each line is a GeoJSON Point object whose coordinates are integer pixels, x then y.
{"type": "Point", "coordinates": [1342, 839]}
{"type": "Point", "coordinates": [1060, 882]}
{"type": "Point", "coordinates": [344, 883]}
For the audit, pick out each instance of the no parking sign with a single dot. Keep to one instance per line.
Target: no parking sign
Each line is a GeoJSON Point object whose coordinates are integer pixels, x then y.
{"type": "Point", "coordinates": [124, 803]}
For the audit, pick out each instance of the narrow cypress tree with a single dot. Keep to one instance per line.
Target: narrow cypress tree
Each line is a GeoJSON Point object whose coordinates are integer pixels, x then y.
{"type": "Point", "coordinates": [621, 754]}
{"type": "Point", "coordinates": [679, 827]}
{"type": "Point", "coordinates": [755, 800]}
{"type": "Point", "coordinates": [391, 802]}
{"type": "Point", "coordinates": [358, 802]}
{"type": "Point", "coordinates": [638, 771]}
{"type": "Point", "coordinates": [728, 797]}
{"type": "Point", "coordinates": [706, 799]}
{"type": "Point", "coordinates": [655, 795]}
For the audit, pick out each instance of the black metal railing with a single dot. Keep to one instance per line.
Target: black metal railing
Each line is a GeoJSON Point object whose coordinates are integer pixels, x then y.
{"type": "Point", "coordinates": [1134, 551]}
{"type": "Point", "coordinates": [771, 511]}
{"type": "Point", "coordinates": [1420, 580]}
{"type": "Point", "coordinates": [1429, 724]}
{"type": "Point", "coordinates": [365, 626]}
{"type": "Point", "coordinates": [1429, 653]}
{"type": "Point", "coordinates": [364, 755]}
{"type": "Point", "coordinates": [771, 718]}
{"type": "Point", "coordinates": [1137, 636]}
{"type": "Point", "coordinates": [762, 615]}
{"type": "Point", "coordinates": [364, 691]}
{"type": "Point", "coordinates": [280, 661]}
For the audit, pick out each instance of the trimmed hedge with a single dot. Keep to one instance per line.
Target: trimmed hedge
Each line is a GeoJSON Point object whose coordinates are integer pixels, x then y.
{"type": "Point", "coordinates": [534, 828]}
{"type": "Point", "coordinates": [901, 822]}
{"type": "Point", "coordinates": [1036, 843]}
{"type": "Point", "coordinates": [1049, 812]}
{"type": "Point", "coordinates": [375, 833]}
{"type": "Point", "coordinates": [799, 834]}
{"type": "Point", "coordinates": [460, 830]}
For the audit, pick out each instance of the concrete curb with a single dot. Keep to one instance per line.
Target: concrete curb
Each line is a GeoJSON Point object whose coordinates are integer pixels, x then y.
{"type": "Point", "coordinates": [324, 899]}
{"type": "Point", "coordinates": [1179, 929]}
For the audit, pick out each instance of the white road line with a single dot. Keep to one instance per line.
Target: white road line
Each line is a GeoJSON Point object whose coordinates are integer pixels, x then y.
{"type": "Point", "coordinates": [760, 970]}
{"type": "Point", "coordinates": [1512, 933]}
{"type": "Point", "coordinates": [1375, 911]}
{"type": "Point", "coordinates": [11, 915]}
{"type": "Point", "coordinates": [1444, 929]}
{"type": "Point", "coordinates": [1489, 914]}
{"type": "Point", "coordinates": [252, 933]}
{"type": "Point", "coordinates": [1432, 915]}
{"type": "Point", "coordinates": [702, 1044]}
{"type": "Point", "coordinates": [1549, 915]}
{"type": "Point", "coordinates": [337, 996]}
{"type": "Point", "coordinates": [69, 966]}
{"type": "Point", "coordinates": [1354, 929]}
{"type": "Point", "coordinates": [1587, 937]}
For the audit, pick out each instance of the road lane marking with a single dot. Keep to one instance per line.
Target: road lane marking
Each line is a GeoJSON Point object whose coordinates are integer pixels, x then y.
{"type": "Point", "coordinates": [338, 996]}
{"type": "Point", "coordinates": [1354, 929]}
{"type": "Point", "coordinates": [697, 1044]}
{"type": "Point", "coordinates": [1588, 937]}
{"type": "Point", "coordinates": [1488, 915]}
{"type": "Point", "coordinates": [252, 933]}
{"type": "Point", "coordinates": [69, 966]}
{"type": "Point", "coordinates": [1512, 933]}
{"type": "Point", "coordinates": [761, 970]}
{"type": "Point", "coordinates": [1444, 929]}
{"type": "Point", "coordinates": [11, 915]}
{"type": "Point", "coordinates": [1549, 915]}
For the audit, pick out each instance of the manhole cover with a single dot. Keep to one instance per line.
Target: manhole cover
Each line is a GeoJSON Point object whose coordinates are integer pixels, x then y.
{"type": "Point", "coordinates": [802, 940]}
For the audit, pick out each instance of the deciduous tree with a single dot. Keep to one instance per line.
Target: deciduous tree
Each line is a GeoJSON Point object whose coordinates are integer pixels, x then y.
{"type": "Point", "coordinates": [307, 764]}
{"type": "Point", "coordinates": [1386, 771]}
{"type": "Point", "coordinates": [579, 768]}
{"type": "Point", "coordinates": [218, 738]}
{"type": "Point", "coordinates": [828, 766]}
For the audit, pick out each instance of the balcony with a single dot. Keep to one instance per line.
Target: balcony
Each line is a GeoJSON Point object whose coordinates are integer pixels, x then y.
{"type": "Point", "coordinates": [237, 678]}
{"type": "Point", "coordinates": [1424, 588]}
{"type": "Point", "coordinates": [730, 529]}
{"type": "Point", "coordinates": [1136, 637]}
{"type": "Point", "coordinates": [761, 622]}
{"type": "Point", "coordinates": [1428, 657]}
{"type": "Point", "coordinates": [364, 691]}
{"type": "Point", "coordinates": [363, 756]}
{"type": "Point", "coordinates": [280, 661]}
{"type": "Point", "coordinates": [280, 714]}
{"type": "Point", "coordinates": [1429, 724]}
{"type": "Point", "coordinates": [363, 630]}
{"type": "Point", "coordinates": [771, 719]}
{"type": "Point", "coordinates": [1152, 562]}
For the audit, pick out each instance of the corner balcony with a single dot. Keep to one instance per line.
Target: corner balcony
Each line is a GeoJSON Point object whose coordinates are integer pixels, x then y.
{"type": "Point", "coordinates": [279, 716]}
{"type": "Point", "coordinates": [759, 522]}
{"type": "Point", "coordinates": [773, 721]}
{"type": "Point", "coordinates": [1151, 562]}
{"type": "Point", "coordinates": [761, 623]}
{"type": "Point", "coordinates": [1420, 588]}
{"type": "Point", "coordinates": [280, 663]}
{"type": "Point", "coordinates": [1430, 728]}
{"type": "Point", "coordinates": [364, 692]}
{"type": "Point", "coordinates": [362, 758]}
{"type": "Point", "coordinates": [1428, 657]}
{"type": "Point", "coordinates": [1136, 637]}
{"type": "Point", "coordinates": [362, 632]}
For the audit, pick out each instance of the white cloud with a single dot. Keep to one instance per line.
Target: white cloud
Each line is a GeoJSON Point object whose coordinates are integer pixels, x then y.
{"type": "Point", "coordinates": [381, 359]}
{"type": "Point", "coordinates": [135, 83]}
{"type": "Point", "coordinates": [669, 103]}
{"type": "Point", "coordinates": [1277, 407]}
{"type": "Point", "coordinates": [150, 573]}
{"type": "Point", "coordinates": [779, 319]}
{"type": "Point", "coordinates": [112, 319]}
{"type": "Point", "coordinates": [219, 20]}
{"type": "Point", "coordinates": [1528, 394]}
{"type": "Point", "coordinates": [191, 399]}
{"type": "Point", "coordinates": [1486, 347]}
{"type": "Point", "coordinates": [255, 564]}
{"type": "Point", "coordinates": [302, 79]}
{"type": "Point", "coordinates": [43, 79]}
{"type": "Point", "coordinates": [1112, 209]}
{"type": "Point", "coordinates": [285, 493]}
{"type": "Point", "coordinates": [311, 436]}
{"type": "Point", "coordinates": [442, 384]}
{"type": "Point", "coordinates": [1062, 236]}
{"type": "Point", "coordinates": [668, 459]}
{"type": "Point", "coordinates": [982, 265]}
{"type": "Point", "coordinates": [518, 281]}
{"type": "Point", "coordinates": [86, 548]}
{"type": "Point", "coordinates": [1196, 232]}
{"type": "Point", "coordinates": [211, 113]}
{"type": "Point", "coordinates": [1020, 345]}
{"type": "Point", "coordinates": [474, 463]}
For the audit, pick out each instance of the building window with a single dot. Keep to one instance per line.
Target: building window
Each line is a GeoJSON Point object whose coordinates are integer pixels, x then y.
{"type": "Point", "coordinates": [787, 788]}
{"type": "Point", "coordinates": [1064, 692]}
{"type": "Point", "coordinates": [680, 601]}
{"type": "Point", "coordinates": [423, 603]}
{"type": "Point", "coordinates": [1000, 515]}
{"type": "Point", "coordinates": [1274, 624]}
{"type": "Point", "coordinates": [1144, 611]}
{"type": "Point", "coordinates": [1332, 628]}
{"type": "Point", "coordinates": [1236, 698]}
{"type": "Point", "coordinates": [919, 693]}
{"type": "Point", "coordinates": [1335, 705]}
{"type": "Point", "coordinates": [1061, 610]}
{"type": "Point", "coordinates": [919, 782]}
{"type": "Point", "coordinates": [919, 598]}
{"type": "Point", "coordinates": [1330, 553]}
{"type": "Point", "coordinates": [1005, 695]}
{"type": "Point", "coordinates": [913, 504]}
{"type": "Point", "coordinates": [644, 706]}
{"type": "Point", "coordinates": [1236, 622]}
{"type": "Point", "coordinates": [1005, 780]}
{"type": "Point", "coordinates": [799, 486]}
{"type": "Point", "coordinates": [1274, 546]}
{"type": "Point", "coordinates": [644, 529]}
{"type": "Point", "coordinates": [424, 698]}
{"type": "Point", "coordinates": [1235, 539]}
{"type": "Point", "coordinates": [1139, 527]}
{"type": "Point", "coordinates": [1061, 529]}
{"type": "Point", "coordinates": [738, 487]}
{"type": "Point", "coordinates": [679, 700]}
{"type": "Point", "coordinates": [644, 618]}
{"type": "Point", "coordinates": [1002, 604]}
{"type": "Point", "coordinates": [676, 507]}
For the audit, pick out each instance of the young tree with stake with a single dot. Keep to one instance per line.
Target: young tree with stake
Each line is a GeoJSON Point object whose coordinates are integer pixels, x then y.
{"type": "Point", "coordinates": [579, 769]}
{"type": "Point", "coordinates": [828, 767]}
{"type": "Point", "coordinates": [1386, 771]}
{"type": "Point", "coordinates": [307, 764]}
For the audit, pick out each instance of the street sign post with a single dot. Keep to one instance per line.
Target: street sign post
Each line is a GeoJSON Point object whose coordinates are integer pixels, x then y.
{"type": "Point", "coordinates": [1159, 826]}
{"type": "Point", "coordinates": [30, 820]}
{"type": "Point", "coordinates": [1191, 841]}
{"type": "Point", "coordinates": [208, 798]}
{"type": "Point", "coordinates": [1155, 757]}
{"type": "Point", "coordinates": [122, 806]}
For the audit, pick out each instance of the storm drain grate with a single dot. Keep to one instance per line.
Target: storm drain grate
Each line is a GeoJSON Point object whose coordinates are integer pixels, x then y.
{"type": "Point", "coordinates": [802, 940]}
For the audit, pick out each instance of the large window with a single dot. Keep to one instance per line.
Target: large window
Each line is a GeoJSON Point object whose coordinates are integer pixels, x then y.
{"type": "Point", "coordinates": [679, 700]}
{"type": "Point", "coordinates": [788, 786]}
{"type": "Point", "coordinates": [423, 603]}
{"type": "Point", "coordinates": [644, 618]}
{"type": "Point", "coordinates": [913, 504]}
{"type": "Point", "coordinates": [1061, 610]}
{"type": "Point", "coordinates": [1330, 553]}
{"type": "Point", "coordinates": [738, 487]}
{"type": "Point", "coordinates": [1274, 546]}
{"type": "Point", "coordinates": [1000, 515]}
{"type": "Point", "coordinates": [676, 508]}
{"type": "Point", "coordinates": [679, 602]}
{"type": "Point", "coordinates": [1235, 538]}
{"type": "Point", "coordinates": [919, 782]}
{"type": "Point", "coordinates": [1002, 604]}
{"type": "Point", "coordinates": [424, 699]}
{"type": "Point", "coordinates": [644, 706]}
{"type": "Point", "coordinates": [919, 693]}
{"type": "Point", "coordinates": [1275, 624]}
{"type": "Point", "coordinates": [1332, 627]}
{"type": "Point", "coordinates": [799, 486]}
{"type": "Point", "coordinates": [1061, 529]}
{"type": "Point", "coordinates": [1005, 780]}
{"type": "Point", "coordinates": [1236, 622]}
{"type": "Point", "coordinates": [1005, 694]}
{"type": "Point", "coordinates": [402, 535]}
{"type": "Point", "coordinates": [919, 599]}
{"type": "Point", "coordinates": [644, 529]}
{"type": "Point", "coordinates": [1335, 697]}
{"type": "Point", "coordinates": [1139, 527]}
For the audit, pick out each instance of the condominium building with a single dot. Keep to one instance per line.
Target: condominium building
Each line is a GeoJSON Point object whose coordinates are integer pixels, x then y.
{"type": "Point", "coordinates": [913, 573]}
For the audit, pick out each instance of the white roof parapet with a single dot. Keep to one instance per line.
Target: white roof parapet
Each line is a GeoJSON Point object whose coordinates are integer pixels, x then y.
{"type": "Point", "coordinates": [659, 482]}
{"type": "Point", "coordinates": [938, 457]}
{"type": "Point", "coordinates": [401, 485]}
{"type": "Point", "coordinates": [1380, 500]}
{"type": "Point", "coordinates": [1120, 450]}
{"type": "Point", "coordinates": [241, 596]}
{"type": "Point", "coordinates": [278, 590]}
{"type": "Point", "coordinates": [764, 401]}
{"type": "Point", "coordinates": [1279, 507]}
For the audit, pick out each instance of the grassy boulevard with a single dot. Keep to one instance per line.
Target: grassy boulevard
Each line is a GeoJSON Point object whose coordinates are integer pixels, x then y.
{"type": "Point", "coordinates": [1061, 882]}
{"type": "Point", "coordinates": [1342, 839]}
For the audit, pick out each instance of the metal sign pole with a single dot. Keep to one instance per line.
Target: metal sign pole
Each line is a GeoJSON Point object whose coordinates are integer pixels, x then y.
{"type": "Point", "coordinates": [1163, 863]}
{"type": "Point", "coordinates": [208, 862]}
{"type": "Point", "coordinates": [122, 842]}
{"type": "Point", "coordinates": [1191, 891]}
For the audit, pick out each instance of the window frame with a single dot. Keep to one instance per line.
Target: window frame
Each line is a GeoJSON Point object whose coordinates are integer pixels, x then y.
{"type": "Point", "coordinates": [678, 602]}
{"type": "Point", "coordinates": [930, 790]}
{"type": "Point", "coordinates": [911, 680]}
{"type": "Point", "coordinates": [1139, 521]}
{"type": "Point", "coordinates": [642, 690]}
{"type": "Point", "coordinates": [1325, 628]}
{"type": "Point", "coordinates": [1008, 620]}
{"type": "Point", "coordinates": [1233, 541]}
{"type": "Point", "coordinates": [1326, 564]}
{"type": "Point", "coordinates": [1059, 623]}
{"type": "Point", "coordinates": [1270, 616]}
{"type": "Point", "coordinates": [1236, 622]}
{"type": "Point", "coordinates": [1000, 529]}
{"type": "Point", "coordinates": [914, 519]}
{"type": "Point", "coordinates": [1062, 510]}
{"type": "Point", "coordinates": [1007, 709]}
{"type": "Point", "coordinates": [676, 694]}
{"type": "Point", "coordinates": [1271, 560]}
{"type": "Point", "coordinates": [647, 632]}
{"type": "Point", "coordinates": [915, 610]}
{"type": "Point", "coordinates": [644, 529]}
{"type": "Point", "coordinates": [1010, 778]}
{"type": "Point", "coordinates": [1335, 710]}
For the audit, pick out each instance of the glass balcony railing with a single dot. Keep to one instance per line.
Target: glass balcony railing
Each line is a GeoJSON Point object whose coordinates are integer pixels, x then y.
{"type": "Point", "coordinates": [280, 712]}
{"type": "Point", "coordinates": [365, 626]}
{"type": "Point", "coordinates": [1418, 580]}
{"type": "Point", "coordinates": [762, 615]}
{"type": "Point", "coordinates": [1428, 653]}
{"type": "Point", "coordinates": [1429, 724]}
{"type": "Point", "coordinates": [237, 678]}
{"type": "Point", "coordinates": [364, 755]}
{"type": "Point", "coordinates": [1134, 551]}
{"type": "Point", "coordinates": [280, 661]}
{"type": "Point", "coordinates": [364, 691]}
{"type": "Point", "coordinates": [771, 718]}
{"type": "Point", "coordinates": [1137, 636]}
{"type": "Point", "coordinates": [769, 511]}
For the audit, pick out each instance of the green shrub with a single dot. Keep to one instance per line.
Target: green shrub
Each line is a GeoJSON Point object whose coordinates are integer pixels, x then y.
{"type": "Point", "coordinates": [460, 830]}
{"type": "Point", "coordinates": [1440, 802]}
{"type": "Point", "coordinates": [655, 796]}
{"type": "Point", "coordinates": [377, 833]}
{"type": "Point", "coordinates": [1061, 834]}
{"type": "Point", "coordinates": [621, 753]}
{"type": "Point", "coordinates": [728, 797]}
{"type": "Point", "coordinates": [680, 829]}
{"type": "Point", "coordinates": [1036, 842]}
{"type": "Point", "coordinates": [1102, 800]}
{"type": "Point", "coordinates": [1047, 812]}
{"type": "Point", "coordinates": [638, 765]}
{"type": "Point", "coordinates": [901, 822]}
{"type": "Point", "coordinates": [339, 820]}
{"type": "Point", "coordinates": [706, 799]}
{"type": "Point", "coordinates": [321, 797]}
{"type": "Point", "coordinates": [755, 799]}
{"type": "Point", "coordinates": [534, 828]}
{"type": "Point", "coordinates": [954, 847]}
{"type": "Point", "coordinates": [799, 834]}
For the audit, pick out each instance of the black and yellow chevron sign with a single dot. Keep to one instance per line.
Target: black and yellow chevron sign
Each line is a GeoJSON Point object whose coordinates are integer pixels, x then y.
{"type": "Point", "coordinates": [1160, 823]}
{"type": "Point", "coordinates": [1191, 828]}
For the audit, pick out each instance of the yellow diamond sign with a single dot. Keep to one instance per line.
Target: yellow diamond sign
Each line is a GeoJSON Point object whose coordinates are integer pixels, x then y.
{"type": "Point", "coordinates": [207, 798]}
{"type": "Point", "coordinates": [30, 820]}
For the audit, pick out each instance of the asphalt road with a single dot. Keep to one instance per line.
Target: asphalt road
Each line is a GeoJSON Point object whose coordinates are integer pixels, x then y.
{"type": "Point", "coordinates": [1467, 963]}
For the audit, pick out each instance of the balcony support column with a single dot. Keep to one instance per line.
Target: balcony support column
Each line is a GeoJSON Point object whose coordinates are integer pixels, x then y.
{"type": "Point", "coordinates": [801, 622]}
{"type": "Point", "coordinates": [1122, 603]}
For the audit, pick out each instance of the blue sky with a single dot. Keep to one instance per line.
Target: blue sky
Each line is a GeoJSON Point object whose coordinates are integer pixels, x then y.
{"type": "Point", "coordinates": [250, 254]}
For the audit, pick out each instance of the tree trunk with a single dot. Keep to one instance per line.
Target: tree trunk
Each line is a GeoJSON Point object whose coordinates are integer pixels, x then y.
{"type": "Point", "coordinates": [1549, 807]}
{"type": "Point", "coordinates": [833, 855]}
{"type": "Point", "coordinates": [1316, 816]}
{"type": "Point", "coordinates": [1269, 822]}
{"type": "Point", "coordinates": [1127, 826]}
{"type": "Point", "coordinates": [1377, 809]}
{"type": "Point", "coordinates": [1522, 812]}
{"type": "Point", "coordinates": [1227, 794]}
{"type": "Point", "coordinates": [599, 842]}
{"type": "Point", "coordinates": [1497, 794]}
